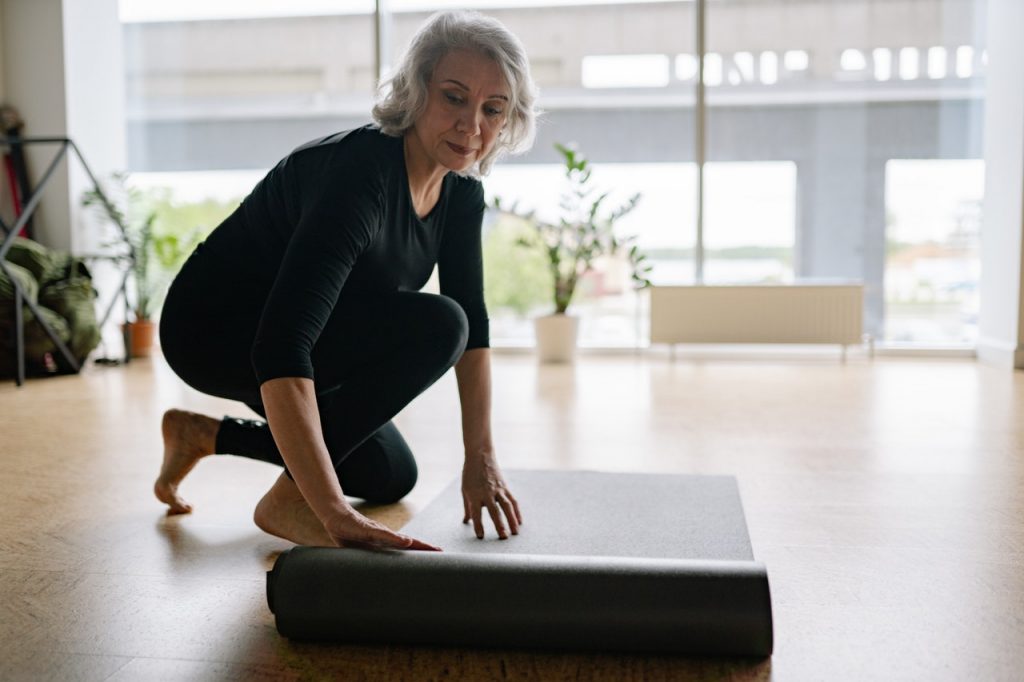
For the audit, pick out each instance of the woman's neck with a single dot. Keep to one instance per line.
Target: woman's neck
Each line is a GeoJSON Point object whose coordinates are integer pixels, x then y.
{"type": "Point", "coordinates": [425, 175]}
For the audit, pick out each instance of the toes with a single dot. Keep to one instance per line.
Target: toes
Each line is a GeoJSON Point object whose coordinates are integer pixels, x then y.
{"type": "Point", "coordinates": [169, 496]}
{"type": "Point", "coordinates": [179, 506]}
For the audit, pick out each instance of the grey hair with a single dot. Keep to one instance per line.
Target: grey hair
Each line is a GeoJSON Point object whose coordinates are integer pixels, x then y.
{"type": "Point", "coordinates": [403, 96]}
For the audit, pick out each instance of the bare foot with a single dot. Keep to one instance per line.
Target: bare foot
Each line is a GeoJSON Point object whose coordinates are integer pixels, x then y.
{"type": "Point", "coordinates": [188, 437]}
{"type": "Point", "coordinates": [284, 512]}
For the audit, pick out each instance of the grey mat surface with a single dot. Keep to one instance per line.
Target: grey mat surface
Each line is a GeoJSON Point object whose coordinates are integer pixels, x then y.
{"type": "Point", "coordinates": [603, 561]}
{"type": "Point", "coordinates": [589, 513]}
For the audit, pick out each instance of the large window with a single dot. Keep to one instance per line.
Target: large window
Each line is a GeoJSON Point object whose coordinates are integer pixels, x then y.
{"type": "Point", "coordinates": [219, 85]}
{"type": "Point", "coordinates": [932, 259]}
{"type": "Point", "coordinates": [828, 127]}
{"type": "Point", "coordinates": [750, 221]}
{"type": "Point", "coordinates": [845, 91]}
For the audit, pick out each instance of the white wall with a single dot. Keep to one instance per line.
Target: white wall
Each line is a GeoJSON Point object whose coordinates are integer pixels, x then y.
{"type": "Point", "coordinates": [62, 70]}
{"type": "Point", "coordinates": [6, 203]}
{"type": "Point", "coordinates": [1002, 289]}
{"type": "Point", "coordinates": [3, 94]}
{"type": "Point", "coordinates": [33, 62]}
{"type": "Point", "coordinates": [94, 91]}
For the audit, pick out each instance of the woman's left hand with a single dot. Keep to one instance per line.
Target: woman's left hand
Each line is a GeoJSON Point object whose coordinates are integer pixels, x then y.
{"type": "Point", "coordinates": [484, 487]}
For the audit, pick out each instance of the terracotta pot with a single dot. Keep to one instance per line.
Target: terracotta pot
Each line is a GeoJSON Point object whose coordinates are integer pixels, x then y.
{"type": "Point", "coordinates": [556, 337]}
{"type": "Point", "coordinates": [138, 337]}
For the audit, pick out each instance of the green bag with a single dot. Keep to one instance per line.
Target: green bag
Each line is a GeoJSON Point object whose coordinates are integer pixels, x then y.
{"type": "Point", "coordinates": [61, 286]}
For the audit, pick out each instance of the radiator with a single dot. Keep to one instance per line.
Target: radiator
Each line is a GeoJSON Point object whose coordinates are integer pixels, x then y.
{"type": "Point", "coordinates": [797, 313]}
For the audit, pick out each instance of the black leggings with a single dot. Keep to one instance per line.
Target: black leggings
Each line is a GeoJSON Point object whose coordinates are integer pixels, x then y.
{"type": "Point", "coordinates": [373, 357]}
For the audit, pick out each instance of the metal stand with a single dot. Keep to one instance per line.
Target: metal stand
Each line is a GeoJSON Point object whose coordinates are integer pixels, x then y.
{"type": "Point", "coordinates": [10, 233]}
{"type": "Point", "coordinates": [120, 294]}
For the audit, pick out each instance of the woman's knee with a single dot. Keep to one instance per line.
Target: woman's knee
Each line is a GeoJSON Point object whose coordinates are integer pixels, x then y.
{"type": "Point", "coordinates": [399, 482]}
{"type": "Point", "coordinates": [382, 470]}
{"type": "Point", "coordinates": [380, 479]}
{"type": "Point", "coordinates": [444, 326]}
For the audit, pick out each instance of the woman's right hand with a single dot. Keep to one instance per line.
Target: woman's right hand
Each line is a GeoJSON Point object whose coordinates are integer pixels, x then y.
{"type": "Point", "coordinates": [351, 529]}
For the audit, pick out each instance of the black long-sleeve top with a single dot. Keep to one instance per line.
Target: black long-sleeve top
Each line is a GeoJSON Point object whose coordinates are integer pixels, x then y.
{"type": "Point", "coordinates": [336, 216]}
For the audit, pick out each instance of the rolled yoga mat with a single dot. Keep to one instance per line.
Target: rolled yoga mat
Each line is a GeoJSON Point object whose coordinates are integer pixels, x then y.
{"type": "Point", "coordinates": [602, 562]}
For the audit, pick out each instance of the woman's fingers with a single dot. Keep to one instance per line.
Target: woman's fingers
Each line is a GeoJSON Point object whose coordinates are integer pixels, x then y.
{"type": "Point", "coordinates": [478, 524]}
{"type": "Point", "coordinates": [357, 531]}
{"type": "Point", "coordinates": [501, 504]}
{"type": "Point", "coordinates": [499, 525]}
{"type": "Point", "coordinates": [515, 506]}
{"type": "Point", "coordinates": [419, 544]}
{"type": "Point", "coordinates": [510, 514]}
{"type": "Point", "coordinates": [389, 538]}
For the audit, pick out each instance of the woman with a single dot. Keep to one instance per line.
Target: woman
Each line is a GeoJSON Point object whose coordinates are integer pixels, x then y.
{"type": "Point", "coordinates": [304, 303]}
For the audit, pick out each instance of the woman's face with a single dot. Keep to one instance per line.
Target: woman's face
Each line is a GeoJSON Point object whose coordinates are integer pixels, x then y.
{"type": "Point", "coordinates": [467, 106]}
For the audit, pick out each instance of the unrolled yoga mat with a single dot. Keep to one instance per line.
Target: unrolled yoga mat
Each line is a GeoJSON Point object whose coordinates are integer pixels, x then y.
{"type": "Point", "coordinates": [603, 562]}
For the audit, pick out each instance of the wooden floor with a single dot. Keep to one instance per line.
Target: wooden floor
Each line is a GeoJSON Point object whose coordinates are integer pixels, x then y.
{"type": "Point", "coordinates": [885, 497]}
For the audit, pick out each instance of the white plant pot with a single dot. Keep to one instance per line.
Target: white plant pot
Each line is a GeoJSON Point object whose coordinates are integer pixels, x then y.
{"type": "Point", "coordinates": [556, 337]}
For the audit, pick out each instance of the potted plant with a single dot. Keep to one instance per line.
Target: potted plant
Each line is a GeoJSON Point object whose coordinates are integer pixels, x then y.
{"type": "Point", "coordinates": [583, 233]}
{"type": "Point", "coordinates": [151, 256]}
